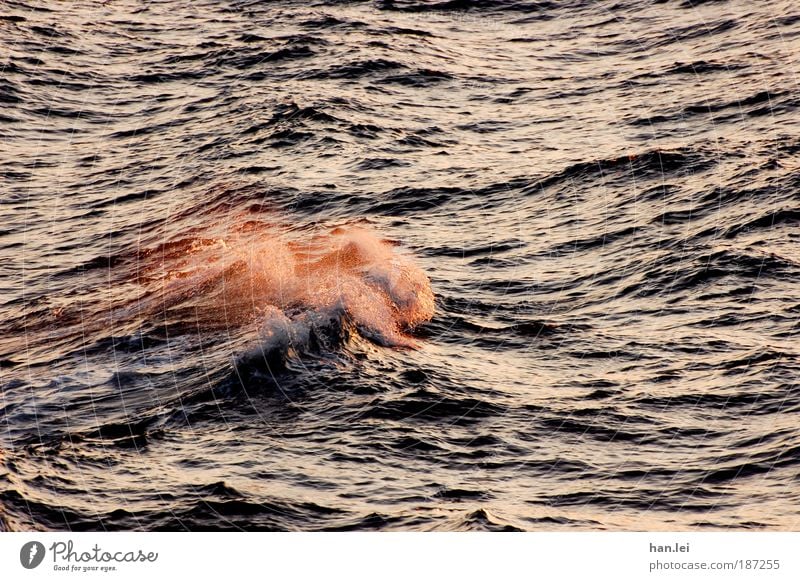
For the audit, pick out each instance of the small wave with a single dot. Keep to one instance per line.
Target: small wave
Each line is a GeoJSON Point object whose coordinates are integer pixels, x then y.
{"type": "Point", "coordinates": [328, 21]}
{"type": "Point", "coordinates": [769, 220]}
{"type": "Point", "coordinates": [465, 5]}
{"type": "Point", "coordinates": [356, 70]}
{"type": "Point", "coordinates": [421, 406]}
{"type": "Point", "coordinates": [481, 520]}
{"type": "Point", "coordinates": [418, 78]}
{"type": "Point", "coordinates": [656, 163]}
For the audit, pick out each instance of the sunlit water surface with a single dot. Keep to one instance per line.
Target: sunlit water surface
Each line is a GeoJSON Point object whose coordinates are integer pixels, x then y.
{"type": "Point", "coordinates": [475, 265]}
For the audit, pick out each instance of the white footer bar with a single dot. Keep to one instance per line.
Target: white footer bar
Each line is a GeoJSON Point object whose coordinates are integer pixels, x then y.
{"type": "Point", "coordinates": [379, 556]}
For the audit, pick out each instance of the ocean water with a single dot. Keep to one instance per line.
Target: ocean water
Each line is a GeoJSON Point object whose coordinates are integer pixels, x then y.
{"type": "Point", "coordinates": [459, 265]}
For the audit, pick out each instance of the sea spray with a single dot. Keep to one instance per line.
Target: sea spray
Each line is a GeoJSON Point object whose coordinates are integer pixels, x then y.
{"type": "Point", "coordinates": [298, 293]}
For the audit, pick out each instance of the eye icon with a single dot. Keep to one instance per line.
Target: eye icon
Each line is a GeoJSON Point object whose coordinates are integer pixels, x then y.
{"type": "Point", "coordinates": [31, 554]}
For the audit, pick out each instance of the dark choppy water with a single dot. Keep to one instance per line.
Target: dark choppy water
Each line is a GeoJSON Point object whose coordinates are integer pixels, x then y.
{"type": "Point", "coordinates": [225, 226]}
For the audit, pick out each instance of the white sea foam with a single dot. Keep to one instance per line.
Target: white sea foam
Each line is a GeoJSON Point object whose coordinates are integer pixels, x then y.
{"type": "Point", "coordinates": [301, 293]}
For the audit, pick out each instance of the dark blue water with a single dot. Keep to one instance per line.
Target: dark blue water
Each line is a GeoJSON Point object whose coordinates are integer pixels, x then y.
{"type": "Point", "coordinates": [459, 265]}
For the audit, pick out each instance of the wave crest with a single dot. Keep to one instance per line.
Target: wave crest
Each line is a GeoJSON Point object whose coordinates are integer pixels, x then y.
{"type": "Point", "coordinates": [302, 294]}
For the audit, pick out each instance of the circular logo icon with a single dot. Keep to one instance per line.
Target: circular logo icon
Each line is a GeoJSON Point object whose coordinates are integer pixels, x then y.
{"type": "Point", "coordinates": [31, 554]}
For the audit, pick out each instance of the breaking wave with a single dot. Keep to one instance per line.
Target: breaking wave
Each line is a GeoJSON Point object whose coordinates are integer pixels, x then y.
{"type": "Point", "coordinates": [298, 292]}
